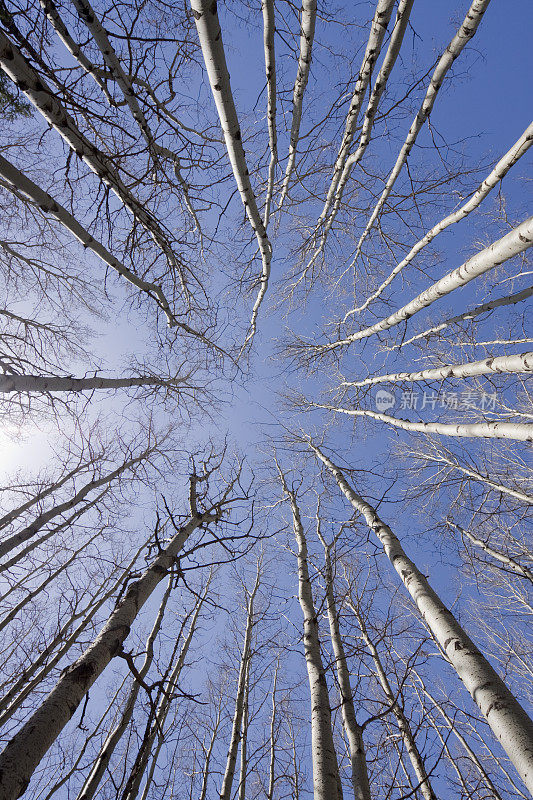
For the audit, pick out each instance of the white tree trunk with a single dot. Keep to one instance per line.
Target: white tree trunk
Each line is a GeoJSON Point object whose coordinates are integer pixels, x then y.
{"type": "Point", "coordinates": [54, 18]}
{"type": "Point", "coordinates": [45, 100]}
{"type": "Point", "coordinates": [378, 28]}
{"type": "Point", "coordinates": [269, 27]}
{"type": "Point", "coordinates": [497, 555]}
{"type": "Point", "coordinates": [307, 35]}
{"type": "Point", "coordinates": [210, 37]}
{"type": "Point", "coordinates": [512, 244]}
{"type": "Point", "coordinates": [404, 727]}
{"type": "Point", "coordinates": [354, 732]}
{"type": "Point", "coordinates": [485, 430]}
{"type": "Point", "coordinates": [471, 314]}
{"type": "Point", "coordinates": [103, 758]}
{"type": "Point", "coordinates": [325, 770]}
{"type": "Point", "coordinates": [520, 362]}
{"type": "Point", "coordinates": [22, 755]}
{"type": "Point", "coordinates": [508, 720]}
{"type": "Point", "coordinates": [31, 530]}
{"type": "Point", "coordinates": [231, 760]}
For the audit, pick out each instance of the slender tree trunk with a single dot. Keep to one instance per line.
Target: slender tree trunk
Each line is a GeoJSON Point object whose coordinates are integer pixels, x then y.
{"type": "Point", "coordinates": [54, 18]}
{"type": "Point", "coordinates": [269, 28]}
{"type": "Point", "coordinates": [42, 97]}
{"type": "Point", "coordinates": [103, 758]}
{"type": "Point", "coordinates": [31, 530]}
{"type": "Point", "coordinates": [210, 37]}
{"type": "Point", "coordinates": [404, 727]}
{"type": "Point", "coordinates": [508, 720]}
{"type": "Point", "coordinates": [272, 758]}
{"type": "Point", "coordinates": [493, 178]}
{"type": "Point", "coordinates": [497, 555]}
{"type": "Point", "coordinates": [231, 760]}
{"type": "Point", "coordinates": [244, 738]}
{"type": "Point", "coordinates": [22, 755]}
{"type": "Point", "coordinates": [326, 779]}
{"type": "Point", "coordinates": [520, 362]}
{"type": "Point", "coordinates": [354, 732]}
{"type": "Point", "coordinates": [209, 753]}
{"type": "Point", "coordinates": [143, 756]}
{"type": "Point", "coordinates": [485, 430]}
{"type": "Point", "coordinates": [471, 314]}
{"type": "Point", "coordinates": [27, 190]}
{"type": "Point", "coordinates": [307, 35]}
{"type": "Point", "coordinates": [465, 33]}
{"type": "Point", "coordinates": [378, 29]}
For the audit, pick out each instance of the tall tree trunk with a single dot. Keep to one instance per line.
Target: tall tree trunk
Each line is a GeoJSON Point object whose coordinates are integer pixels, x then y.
{"type": "Point", "coordinates": [517, 363]}
{"type": "Point", "coordinates": [493, 178]}
{"type": "Point", "coordinates": [45, 383]}
{"type": "Point", "coordinates": [326, 779]}
{"type": "Point", "coordinates": [231, 760]}
{"type": "Point", "coordinates": [508, 720]}
{"type": "Point", "coordinates": [404, 727]}
{"type": "Point", "coordinates": [103, 758]}
{"type": "Point", "coordinates": [485, 430]}
{"type": "Point", "coordinates": [354, 732]}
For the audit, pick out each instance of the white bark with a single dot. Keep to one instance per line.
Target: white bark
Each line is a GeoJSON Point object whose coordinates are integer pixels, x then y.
{"type": "Point", "coordinates": [231, 760]}
{"type": "Point", "coordinates": [508, 720]}
{"type": "Point", "coordinates": [512, 244]}
{"type": "Point", "coordinates": [520, 362]}
{"type": "Point", "coordinates": [460, 40]}
{"type": "Point", "coordinates": [42, 97]}
{"type": "Point", "coordinates": [325, 770]}
{"type": "Point", "coordinates": [404, 727]}
{"type": "Point", "coordinates": [210, 37]}
{"type": "Point", "coordinates": [471, 314]}
{"type": "Point", "coordinates": [54, 18]}
{"type": "Point", "coordinates": [44, 383]}
{"type": "Point", "coordinates": [272, 759]}
{"type": "Point", "coordinates": [23, 753]}
{"type": "Point", "coordinates": [491, 430]}
{"type": "Point", "coordinates": [269, 27]}
{"type": "Point", "coordinates": [243, 770]}
{"type": "Point", "coordinates": [27, 190]}
{"type": "Point", "coordinates": [209, 753]}
{"type": "Point", "coordinates": [493, 178]}
{"type": "Point", "coordinates": [354, 732]}
{"type": "Point", "coordinates": [307, 35]}
{"type": "Point", "coordinates": [378, 28]}
{"type": "Point", "coordinates": [103, 758]}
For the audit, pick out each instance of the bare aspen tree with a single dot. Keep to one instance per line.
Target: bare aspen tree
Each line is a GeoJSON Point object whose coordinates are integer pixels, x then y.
{"type": "Point", "coordinates": [210, 36]}
{"type": "Point", "coordinates": [307, 34]}
{"type": "Point", "coordinates": [354, 732]}
{"type": "Point", "coordinates": [240, 696]}
{"type": "Point", "coordinates": [326, 780]}
{"type": "Point", "coordinates": [508, 720]}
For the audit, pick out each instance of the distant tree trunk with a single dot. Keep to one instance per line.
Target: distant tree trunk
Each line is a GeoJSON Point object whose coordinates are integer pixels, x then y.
{"type": "Point", "coordinates": [227, 781]}
{"type": "Point", "coordinates": [404, 727]}
{"type": "Point", "coordinates": [354, 733]}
